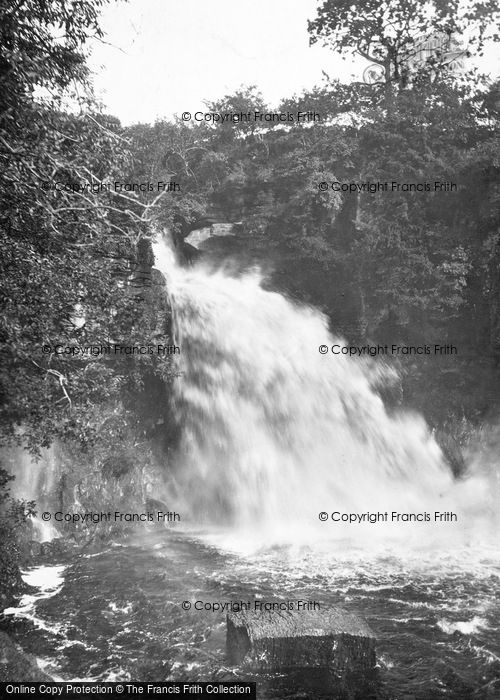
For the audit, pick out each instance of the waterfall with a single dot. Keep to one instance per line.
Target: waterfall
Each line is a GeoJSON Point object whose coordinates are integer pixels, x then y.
{"type": "Point", "coordinates": [275, 432]}
{"type": "Point", "coordinates": [36, 481]}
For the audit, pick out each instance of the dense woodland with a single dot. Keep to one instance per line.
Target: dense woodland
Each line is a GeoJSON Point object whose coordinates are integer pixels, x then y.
{"type": "Point", "coordinates": [387, 267]}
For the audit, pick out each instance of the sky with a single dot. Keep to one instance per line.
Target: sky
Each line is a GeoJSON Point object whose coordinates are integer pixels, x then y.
{"type": "Point", "coordinates": [169, 56]}
{"type": "Point", "coordinates": [165, 57]}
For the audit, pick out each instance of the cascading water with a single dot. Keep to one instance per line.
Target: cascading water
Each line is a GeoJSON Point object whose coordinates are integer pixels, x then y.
{"type": "Point", "coordinates": [275, 432]}
{"type": "Point", "coordinates": [35, 481]}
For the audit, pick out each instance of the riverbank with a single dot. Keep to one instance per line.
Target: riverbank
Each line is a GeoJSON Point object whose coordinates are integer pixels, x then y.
{"type": "Point", "coordinates": [117, 613]}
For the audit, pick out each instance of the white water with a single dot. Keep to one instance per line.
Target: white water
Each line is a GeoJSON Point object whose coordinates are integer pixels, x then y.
{"type": "Point", "coordinates": [275, 432]}
{"type": "Point", "coordinates": [49, 580]}
{"type": "Point", "coordinates": [36, 481]}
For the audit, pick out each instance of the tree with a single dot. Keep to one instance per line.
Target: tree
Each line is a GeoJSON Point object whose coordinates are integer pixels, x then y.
{"type": "Point", "coordinates": [391, 33]}
{"type": "Point", "coordinates": [182, 154]}
{"type": "Point", "coordinates": [14, 516]}
{"type": "Point", "coordinates": [74, 251]}
{"type": "Point", "coordinates": [68, 240]}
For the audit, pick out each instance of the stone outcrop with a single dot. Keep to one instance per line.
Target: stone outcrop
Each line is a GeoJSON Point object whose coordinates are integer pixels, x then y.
{"type": "Point", "coordinates": [329, 652]}
{"type": "Point", "coordinates": [16, 666]}
{"type": "Point", "coordinates": [200, 235]}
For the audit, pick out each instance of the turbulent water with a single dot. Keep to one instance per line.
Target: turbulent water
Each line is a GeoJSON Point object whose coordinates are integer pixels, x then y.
{"type": "Point", "coordinates": [275, 434]}
{"type": "Point", "coordinates": [119, 616]}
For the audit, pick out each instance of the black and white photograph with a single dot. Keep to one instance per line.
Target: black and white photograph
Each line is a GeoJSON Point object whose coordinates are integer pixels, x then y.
{"type": "Point", "coordinates": [250, 349]}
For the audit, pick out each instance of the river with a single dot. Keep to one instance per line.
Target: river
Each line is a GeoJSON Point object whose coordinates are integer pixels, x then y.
{"type": "Point", "coordinates": [294, 481]}
{"type": "Point", "coordinates": [117, 614]}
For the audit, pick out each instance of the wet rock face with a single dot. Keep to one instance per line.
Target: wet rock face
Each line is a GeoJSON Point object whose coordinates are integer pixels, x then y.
{"type": "Point", "coordinates": [34, 553]}
{"type": "Point", "coordinates": [197, 237]}
{"type": "Point", "coordinates": [31, 549]}
{"type": "Point", "coordinates": [16, 666]}
{"type": "Point", "coordinates": [328, 652]}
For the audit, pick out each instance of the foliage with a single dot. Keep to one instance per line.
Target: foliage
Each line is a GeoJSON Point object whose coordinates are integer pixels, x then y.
{"type": "Point", "coordinates": [387, 266]}
{"type": "Point", "coordinates": [75, 268]}
{"type": "Point", "coordinates": [393, 265]}
{"type": "Point", "coordinates": [14, 515]}
{"type": "Point", "coordinates": [69, 241]}
{"type": "Point", "coordinates": [391, 33]}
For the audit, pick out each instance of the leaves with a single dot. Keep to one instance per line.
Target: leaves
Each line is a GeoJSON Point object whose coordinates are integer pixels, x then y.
{"type": "Point", "coordinates": [394, 33]}
{"type": "Point", "coordinates": [69, 240]}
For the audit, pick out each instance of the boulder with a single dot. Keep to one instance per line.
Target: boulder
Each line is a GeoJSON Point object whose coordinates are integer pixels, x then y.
{"type": "Point", "coordinates": [57, 548]}
{"type": "Point", "coordinates": [16, 666]}
{"type": "Point", "coordinates": [200, 235]}
{"type": "Point", "coordinates": [330, 652]}
{"type": "Point", "coordinates": [155, 505]}
{"type": "Point", "coordinates": [31, 549]}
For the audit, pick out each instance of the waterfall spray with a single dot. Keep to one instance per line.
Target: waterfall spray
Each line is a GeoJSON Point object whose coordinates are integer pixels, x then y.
{"type": "Point", "coordinates": [275, 432]}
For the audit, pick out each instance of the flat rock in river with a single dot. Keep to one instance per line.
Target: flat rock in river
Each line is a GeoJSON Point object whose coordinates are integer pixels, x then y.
{"type": "Point", "coordinates": [330, 650]}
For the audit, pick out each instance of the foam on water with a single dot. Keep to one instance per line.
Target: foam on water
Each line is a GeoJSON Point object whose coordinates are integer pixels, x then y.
{"type": "Point", "coordinates": [49, 580]}
{"type": "Point", "coordinates": [466, 627]}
